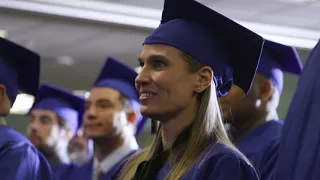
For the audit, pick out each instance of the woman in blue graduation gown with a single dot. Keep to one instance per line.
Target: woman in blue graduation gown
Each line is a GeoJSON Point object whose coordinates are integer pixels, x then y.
{"type": "Point", "coordinates": [186, 62]}
{"type": "Point", "coordinates": [19, 70]}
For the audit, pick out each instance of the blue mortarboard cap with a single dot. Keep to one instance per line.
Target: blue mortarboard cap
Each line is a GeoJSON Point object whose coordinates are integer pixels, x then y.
{"type": "Point", "coordinates": [19, 69]}
{"type": "Point", "coordinates": [213, 40]}
{"type": "Point", "coordinates": [299, 155]}
{"type": "Point", "coordinates": [277, 58]}
{"type": "Point", "coordinates": [118, 76]}
{"type": "Point", "coordinates": [62, 102]}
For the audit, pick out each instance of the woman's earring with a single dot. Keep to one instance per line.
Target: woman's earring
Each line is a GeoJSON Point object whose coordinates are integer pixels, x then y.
{"type": "Point", "coordinates": [198, 90]}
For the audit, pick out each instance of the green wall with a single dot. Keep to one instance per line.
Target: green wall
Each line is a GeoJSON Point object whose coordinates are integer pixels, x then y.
{"type": "Point", "coordinates": [18, 122]}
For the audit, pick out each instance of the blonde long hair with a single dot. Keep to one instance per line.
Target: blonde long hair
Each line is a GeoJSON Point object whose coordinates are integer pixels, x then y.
{"type": "Point", "coordinates": [207, 128]}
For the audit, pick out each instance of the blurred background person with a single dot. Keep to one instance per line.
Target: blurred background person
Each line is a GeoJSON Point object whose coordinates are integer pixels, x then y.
{"type": "Point", "coordinates": [254, 124]}
{"type": "Point", "coordinates": [53, 120]}
{"type": "Point", "coordinates": [19, 70]}
{"type": "Point", "coordinates": [80, 148]}
{"type": "Point", "coordinates": [112, 119]}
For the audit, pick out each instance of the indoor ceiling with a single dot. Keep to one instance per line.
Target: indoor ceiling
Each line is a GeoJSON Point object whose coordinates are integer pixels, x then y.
{"type": "Point", "coordinates": [284, 21]}
{"type": "Point", "coordinates": [293, 13]}
{"type": "Point", "coordinates": [74, 51]}
{"type": "Point", "coordinates": [87, 43]}
{"type": "Point", "coordinates": [57, 39]}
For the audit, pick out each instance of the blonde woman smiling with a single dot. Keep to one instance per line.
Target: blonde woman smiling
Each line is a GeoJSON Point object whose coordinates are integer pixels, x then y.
{"type": "Point", "coordinates": [194, 56]}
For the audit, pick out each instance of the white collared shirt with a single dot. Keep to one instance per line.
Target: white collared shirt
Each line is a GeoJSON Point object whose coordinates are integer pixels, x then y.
{"type": "Point", "coordinates": [112, 159]}
{"type": "Point", "coordinates": [3, 121]}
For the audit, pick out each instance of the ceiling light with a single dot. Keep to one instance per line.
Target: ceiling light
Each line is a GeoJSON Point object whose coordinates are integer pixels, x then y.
{"type": "Point", "coordinates": [3, 33]}
{"type": "Point", "coordinates": [87, 95]}
{"type": "Point", "coordinates": [137, 69]}
{"type": "Point", "coordinates": [24, 102]}
{"type": "Point", "coordinates": [81, 93]}
{"type": "Point", "coordinates": [65, 60]}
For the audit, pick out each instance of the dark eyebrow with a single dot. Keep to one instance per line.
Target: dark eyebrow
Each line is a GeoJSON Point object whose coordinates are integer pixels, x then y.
{"type": "Point", "coordinates": [45, 117]}
{"type": "Point", "coordinates": [103, 100]}
{"type": "Point", "coordinates": [155, 56]}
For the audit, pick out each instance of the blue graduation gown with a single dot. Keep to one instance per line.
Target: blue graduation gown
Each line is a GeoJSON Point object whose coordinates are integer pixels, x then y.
{"type": "Point", "coordinates": [63, 170]}
{"type": "Point", "coordinates": [261, 147]}
{"type": "Point", "coordinates": [19, 159]}
{"type": "Point", "coordinates": [217, 162]}
{"type": "Point", "coordinates": [85, 171]}
{"type": "Point", "coordinates": [299, 154]}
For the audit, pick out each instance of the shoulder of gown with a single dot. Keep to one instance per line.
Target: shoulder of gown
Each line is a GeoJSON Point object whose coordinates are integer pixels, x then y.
{"type": "Point", "coordinates": [62, 171]}
{"type": "Point", "coordinates": [221, 163]}
{"type": "Point", "coordinates": [85, 171]}
{"type": "Point", "coordinates": [80, 172]}
{"type": "Point", "coordinates": [261, 147]}
{"type": "Point", "coordinates": [19, 158]}
{"type": "Point", "coordinates": [115, 171]}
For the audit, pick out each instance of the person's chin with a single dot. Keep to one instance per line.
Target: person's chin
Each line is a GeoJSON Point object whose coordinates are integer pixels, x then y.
{"type": "Point", "coordinates": [37, 142]}
{"type": "Point", "coordinates": [149, 110]}
{"type": "Point", "coordinates": [97, 135]}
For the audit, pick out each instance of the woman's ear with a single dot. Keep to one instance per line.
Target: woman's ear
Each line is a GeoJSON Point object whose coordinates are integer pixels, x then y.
{"type": "Point", "coordinates": [205, 78]}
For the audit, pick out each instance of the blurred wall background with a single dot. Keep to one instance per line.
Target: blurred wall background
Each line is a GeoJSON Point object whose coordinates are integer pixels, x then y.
{"type": "Point", "coordinates": [19, 122]}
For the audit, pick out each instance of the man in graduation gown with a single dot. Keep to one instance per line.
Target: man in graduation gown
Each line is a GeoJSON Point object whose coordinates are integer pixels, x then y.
{"type": "Point", "coordinates": [112, 119]}
{"type": "Point", "coordinates": [54, 118]}
{"type": "Point", "coordinates": [254, 125]}
{"type": "Point", "coordinates": [299, 155]}
{"type": "Point", "coordinates": [19, 70]}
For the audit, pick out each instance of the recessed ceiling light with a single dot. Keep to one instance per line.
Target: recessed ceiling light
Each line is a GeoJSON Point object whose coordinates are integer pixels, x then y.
{"type": "Point", "coordinates": [65, 60]}
{"type": "Point", "coordinates": [3, 33]}
{"type": "Point", "coordinates": [137, 69]}
{"type": "Point", "coordinates": [82, 93]}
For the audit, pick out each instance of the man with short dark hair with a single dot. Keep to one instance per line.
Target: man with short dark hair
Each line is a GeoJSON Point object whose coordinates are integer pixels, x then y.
{"type": "Point", "coordinates": [54, 119]}
{"type": "Point", "coordinates": [255, 126]}
{"type": "Point", "coordinates": [112, 119]}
